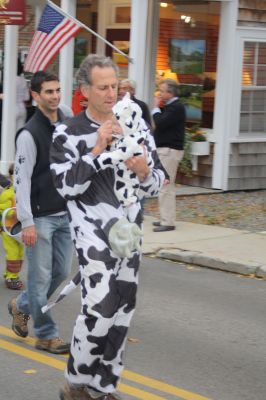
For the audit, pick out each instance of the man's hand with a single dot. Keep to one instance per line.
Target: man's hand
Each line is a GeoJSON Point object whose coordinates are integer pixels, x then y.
{"type": "Point", "coordinates": [104, 137]}
{"type": "Point", "coordinates": [29, 235]}
{"type": "Point", "coordinates": [138, 164]}
{"type": "Point", "coordinates": [157, 101]}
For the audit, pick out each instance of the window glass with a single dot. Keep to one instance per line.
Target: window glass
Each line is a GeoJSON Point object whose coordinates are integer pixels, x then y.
{"type": "Point", "coordinates": [249, 53]}
{"type": "Point", "coordinates": [187, 52]}
{"type": "Point", "coordinates": [248, 75]}
{"type": "Point", "coordinates": [253, 97]}
{"type": "Point", "coordinates": [261, 76]}
{"type": "Point", "coordinates": [244, 121]}
{"type": "Point", "coordinates": [245, 104]}
{"type": "Point", "coordinates": [259, 101]}
{"type": "Point", "coordinates": [262, 54]}
{"type": "Point", "coordinates": [258, 123]}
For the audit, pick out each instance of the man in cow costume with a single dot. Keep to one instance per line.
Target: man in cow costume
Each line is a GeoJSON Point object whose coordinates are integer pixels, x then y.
{"type": "Point", "coordinates": [107, 242]}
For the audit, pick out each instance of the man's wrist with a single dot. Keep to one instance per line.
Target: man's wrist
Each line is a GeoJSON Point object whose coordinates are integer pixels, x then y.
{"type": "Point", "coordinates": [27, 223]}
{"type": "Point", "coordinates": [96, 151]}
{"type": "Point", "coordinates": [145, 175]}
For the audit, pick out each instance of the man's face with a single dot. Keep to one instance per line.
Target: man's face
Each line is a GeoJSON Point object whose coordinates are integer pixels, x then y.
{"type": "Point", "coordinates": [102, 93]}
{"type": "Point", "coordinates": [123, 89]}
{"type": "Point", "coordinates": [49, 97]}
{"type": "Point", "coordinates": [164, 94]}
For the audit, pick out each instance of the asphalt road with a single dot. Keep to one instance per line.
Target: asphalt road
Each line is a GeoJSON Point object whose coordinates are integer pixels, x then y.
{"type": "Point", "coordinates": [197, 334]}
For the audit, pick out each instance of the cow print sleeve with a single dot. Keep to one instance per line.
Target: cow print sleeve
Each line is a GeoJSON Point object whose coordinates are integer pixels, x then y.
{"type": "Point", "coordinates": [71, 163]}
{"type": "Point", "coordinates": [152, 184]}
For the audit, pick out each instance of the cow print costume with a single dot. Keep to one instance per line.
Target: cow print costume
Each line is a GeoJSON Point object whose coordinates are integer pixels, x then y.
{"type": "Point", "coordinates": [108, 281]}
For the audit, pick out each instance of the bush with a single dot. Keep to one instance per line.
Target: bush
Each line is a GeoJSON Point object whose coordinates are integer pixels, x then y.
{"type": "Point", "coordinates": [185, 165]}
{"type": "Point", "coordinates": [198, 137]}
{"type": "Point", "coordinates": [193, 134]}
{"type": "Point", "coordinates": [196, 134]}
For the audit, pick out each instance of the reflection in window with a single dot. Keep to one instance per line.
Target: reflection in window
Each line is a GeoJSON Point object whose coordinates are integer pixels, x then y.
{"type": "Point", "coordinates": [187, 51]}
{"type": "Point", "coordinates": [253, 99]}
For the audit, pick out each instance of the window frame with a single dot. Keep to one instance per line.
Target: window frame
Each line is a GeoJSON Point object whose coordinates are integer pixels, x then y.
{"type": "Point", "coordinates": [247, 34]}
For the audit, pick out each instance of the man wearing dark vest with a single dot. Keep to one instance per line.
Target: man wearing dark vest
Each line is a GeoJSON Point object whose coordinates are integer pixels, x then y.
{"type": "Point", "coordinates": [42, 213]}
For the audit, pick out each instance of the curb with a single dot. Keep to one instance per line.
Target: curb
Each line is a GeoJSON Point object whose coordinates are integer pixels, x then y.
{"type": "Point", "coordinates": [196, 258]}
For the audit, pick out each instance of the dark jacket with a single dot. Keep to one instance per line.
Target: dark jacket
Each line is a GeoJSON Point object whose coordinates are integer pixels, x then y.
{"type": "Point", "coordinates": [45, 199]}
{"type": "Point", "coordinates": [170, 126]}
{"type": "Point", "coordinates": [145, 110]}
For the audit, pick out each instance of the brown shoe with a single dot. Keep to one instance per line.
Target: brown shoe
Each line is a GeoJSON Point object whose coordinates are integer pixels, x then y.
{"type": "Point", "coordinates": [82, 393]}
{"type": "Point", "coordinates": [113, 396]}
{"type": "Point", "coordinates": [74, 393]}
{"type": "Point", "coordinates": [20, 320]}
{"type": "Point", "coordinates": [55, 345]}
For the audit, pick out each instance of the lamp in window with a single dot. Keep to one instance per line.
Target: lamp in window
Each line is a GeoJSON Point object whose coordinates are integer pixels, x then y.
{"type": "Point", "coordinates": [168, 74]}
{"type": "Point", "coordinates": [246, 79]}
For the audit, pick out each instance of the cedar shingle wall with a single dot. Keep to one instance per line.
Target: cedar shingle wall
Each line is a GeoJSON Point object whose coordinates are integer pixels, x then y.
{"type": "Point", "coordinates": [252, 11]}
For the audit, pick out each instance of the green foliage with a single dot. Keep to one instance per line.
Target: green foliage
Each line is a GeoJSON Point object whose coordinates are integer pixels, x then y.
{"type": "Point", "coordinates": [185, 165]}
{"type": "Point", "coordinates": [193, 134]}
{"type": "Point", "coordinates": [196, 134]}
{"type": "Point", "coordinates": [198, 137]}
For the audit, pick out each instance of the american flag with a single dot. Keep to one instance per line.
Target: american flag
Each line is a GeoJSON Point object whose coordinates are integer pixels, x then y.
{"type": "Point", "coordinates": [53, 31]}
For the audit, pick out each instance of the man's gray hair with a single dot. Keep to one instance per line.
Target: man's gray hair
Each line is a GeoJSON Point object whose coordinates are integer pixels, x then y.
{"type": "Point", "coordinates": [172, 86]}
{"type": "Point", "coordinates": [83, 75]}
{"type": "Point", "coordinates": [129, 82]}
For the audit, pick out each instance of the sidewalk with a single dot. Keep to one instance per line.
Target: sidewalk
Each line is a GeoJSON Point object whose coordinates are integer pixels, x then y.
{"type": "Point", "coordinates": [232, 250]}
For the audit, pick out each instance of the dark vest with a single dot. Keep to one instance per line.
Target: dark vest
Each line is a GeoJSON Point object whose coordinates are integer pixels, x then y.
{"type": "Point", "coordinates": [45, 200]}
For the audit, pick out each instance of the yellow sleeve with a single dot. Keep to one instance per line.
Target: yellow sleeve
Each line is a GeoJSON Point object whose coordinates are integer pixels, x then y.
{"type": "Point", "coordinates": [6, 199]}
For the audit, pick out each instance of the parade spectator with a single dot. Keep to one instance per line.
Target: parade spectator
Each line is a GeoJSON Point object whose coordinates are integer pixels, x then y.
{"type": "Point", "coordinates": [14, 251]}
{"type": "Point", "coordinates": [42, 213]}
{"type": "Point", "coordinates": [169, 135]}
{"type": "Point", "coordinates": [79, 102]}
{"type": "Point", "coordinates": [128, 85]}
{"type": "Point", "coordinates": [4, 182]}
{"type": "Point", "coordinates": [108, 278]}
{"type": "Point", "coordinates": [22, 96]}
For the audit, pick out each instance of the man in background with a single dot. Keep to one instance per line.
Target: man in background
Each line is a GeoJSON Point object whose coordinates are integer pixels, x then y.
{"type": "Point", "coordinates": [128, 85]}
{"type": "Point", "coordinates": [169, 136]}
{"type": "Point", "coordinates": [79, 102]}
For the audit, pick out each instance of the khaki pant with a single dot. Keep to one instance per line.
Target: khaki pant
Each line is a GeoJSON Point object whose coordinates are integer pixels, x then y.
{"type": "Point", "coordinates": [170, 160]}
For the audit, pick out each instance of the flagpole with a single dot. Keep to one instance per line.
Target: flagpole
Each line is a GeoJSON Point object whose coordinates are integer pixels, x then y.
{"type": "Point", "coordinates": [88, 29]}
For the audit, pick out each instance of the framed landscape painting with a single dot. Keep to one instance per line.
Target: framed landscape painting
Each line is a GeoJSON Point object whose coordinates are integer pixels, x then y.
{"type": "Point", "coordinates": [187, 56]}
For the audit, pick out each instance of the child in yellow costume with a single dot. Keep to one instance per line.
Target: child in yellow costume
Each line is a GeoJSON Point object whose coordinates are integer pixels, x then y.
{"type": "Point", "coordinates": [13, 249]}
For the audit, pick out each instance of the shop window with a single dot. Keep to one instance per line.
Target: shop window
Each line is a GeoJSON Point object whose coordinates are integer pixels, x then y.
{"type": "Point", "coordinates": [81, 46]}
{"type": "Point", "coordinates": [253, 96]}
{"type": "Point", "coordinates": [120, 39]}
{"type": "Point", "coordinates": [187, 52]}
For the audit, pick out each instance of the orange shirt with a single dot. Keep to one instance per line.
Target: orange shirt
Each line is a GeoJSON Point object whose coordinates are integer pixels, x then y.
{"type": "Point", "coordinates": [76, 100]}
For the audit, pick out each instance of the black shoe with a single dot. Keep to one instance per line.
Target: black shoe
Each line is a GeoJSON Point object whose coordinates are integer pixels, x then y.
{"type": "Point", "coordinates": [164, 228]}
{"type": "Point", "coordinates": [156, 223]}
